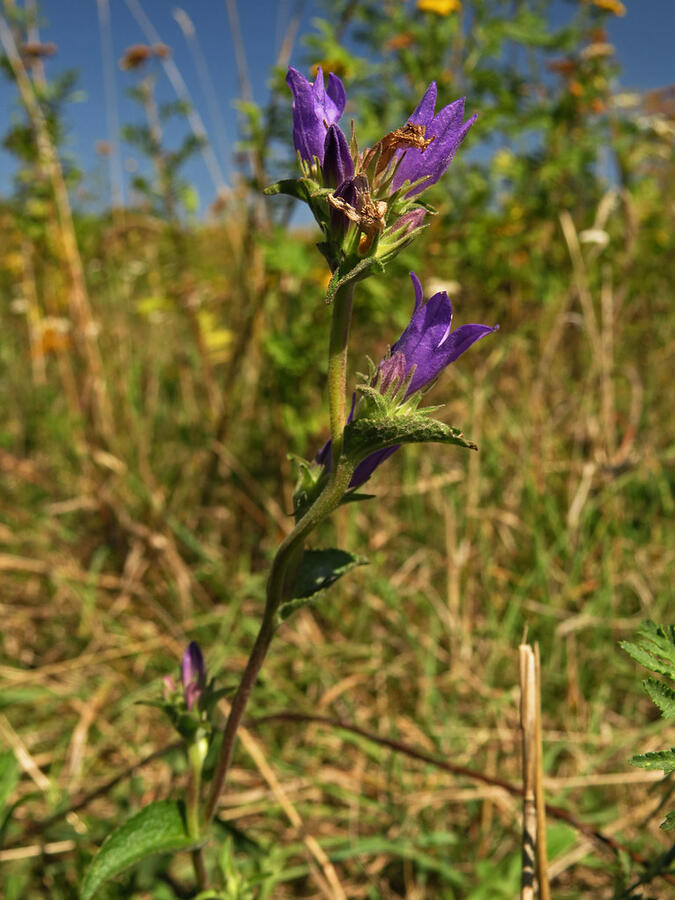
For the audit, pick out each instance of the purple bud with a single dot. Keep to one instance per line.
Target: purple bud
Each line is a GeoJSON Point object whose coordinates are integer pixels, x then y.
{"type": "Point", "coordinates": [392, 372]}
{"type": "Point", "coordinates": [410, 221]}
{"type": "Point", "coordinates": [193, 674]}
{"type": "Point", "coordinates": [338, 165]}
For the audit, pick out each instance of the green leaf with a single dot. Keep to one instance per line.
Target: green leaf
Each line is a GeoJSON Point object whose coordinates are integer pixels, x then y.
{"type": "Point", "coordinates": [356, 497]}
{"type": "Point", "coordinates": [358, 272]}
{"type": "Point", "coordinates": [9, 776]}
{"type": "Point", "coordinates": [662, 695]}
{"type": "Point", "coordinates": [655, 649]}
{"type": "Point", "coordinates": [319, 569]}
{"type": "Point", "coordinates": [292, 187]}
{"type": "Point", "coordinates": [364, 436]}
{"type": "Point", "coordinates": [657, 759]}
{"type": "Point", "coordinates": [669, 822]}
{"type": "Point", "coordinates": [157, 828]}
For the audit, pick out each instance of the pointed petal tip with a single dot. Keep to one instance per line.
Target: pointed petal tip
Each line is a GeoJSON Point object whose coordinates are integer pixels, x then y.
{"type": "Point", "coordinates": [419, 293]}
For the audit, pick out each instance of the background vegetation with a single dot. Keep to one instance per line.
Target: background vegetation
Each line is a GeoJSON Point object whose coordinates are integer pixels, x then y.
{"type": "Point", "coordinates": [156, 371]}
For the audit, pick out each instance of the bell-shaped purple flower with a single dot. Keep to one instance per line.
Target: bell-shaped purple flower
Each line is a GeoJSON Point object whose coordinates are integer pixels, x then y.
{"type": "Point", "coordinates": [428, 343]}
{"type": "Point", "coordinates": [447, 129]}
{"type": "Point", "coordinates": [338, 165]}
{"type": "Point", "coordinates": [193, 674]}
{"type": "Point", "coordinates": [315, 108]}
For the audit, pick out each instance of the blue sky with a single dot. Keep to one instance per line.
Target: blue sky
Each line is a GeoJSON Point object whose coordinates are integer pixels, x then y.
{"type": "Point", "coordinates": [643, 39]}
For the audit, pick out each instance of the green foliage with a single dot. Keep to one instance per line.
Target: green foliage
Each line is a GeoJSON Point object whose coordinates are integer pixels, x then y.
{"type": "Point", "coordinates": [157, 828]}
{"type": "Point", "coordinates": [318, 570]}
{"type": "Point", "coordinates": [365, 436]}
{"type": "Point", "coordinates": [655, 650]}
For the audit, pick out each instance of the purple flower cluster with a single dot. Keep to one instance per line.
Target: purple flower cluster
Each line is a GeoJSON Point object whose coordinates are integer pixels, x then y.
{"type": "Point", "coordinates": [421, 149]}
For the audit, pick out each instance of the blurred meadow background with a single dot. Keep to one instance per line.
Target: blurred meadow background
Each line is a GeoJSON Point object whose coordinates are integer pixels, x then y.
{"type": "Point", "coordinates": [163, 352]}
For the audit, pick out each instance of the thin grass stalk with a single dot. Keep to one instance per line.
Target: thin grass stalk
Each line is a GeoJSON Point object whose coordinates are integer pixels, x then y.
{"type": "Point", "coordinates": [528, 724]}
{"type": "Point", "coordinates": [542, 853]}
{"type": "Point", "coordinates": [183, 94]}
{"type": "Point", "coordinates": [108, 62]}
{"type": "Point", "coordinates": [581, 282]}
{"type": "Point", "coordinates": [34, 319]}
{"type": "Point", "coordinates": [607, 364]}
{"type": "Point", "coordinates": [214, 106]}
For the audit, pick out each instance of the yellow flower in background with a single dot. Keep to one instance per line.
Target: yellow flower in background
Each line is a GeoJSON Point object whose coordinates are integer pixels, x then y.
{"type": "Point", "coordinates": [440, 7]}
{"type": "Point", "coordinates": [612, 6]}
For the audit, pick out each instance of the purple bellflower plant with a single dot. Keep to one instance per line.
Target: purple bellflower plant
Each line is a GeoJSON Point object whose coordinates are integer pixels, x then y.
{"type": "Point", "coordinates": [368, 206]}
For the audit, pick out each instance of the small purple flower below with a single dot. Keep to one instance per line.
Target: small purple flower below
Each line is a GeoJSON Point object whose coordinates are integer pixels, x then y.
{"type": "Point", "coordinates": [447, 130]}
{"type": "Point", "coordinates": [315, 108]}
{"type": "Point", "coordinates": [193, 674]}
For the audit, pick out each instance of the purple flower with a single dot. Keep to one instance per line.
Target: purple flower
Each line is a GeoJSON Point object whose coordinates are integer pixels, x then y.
{"type": "Point", "coordinates": [447, 130]}
{"type": "Point", "coordinates": [193, 674]}
{"type": "Point", "coordinates": [315, 109]}
{"type": "Point", "coordinates": [429, 345]}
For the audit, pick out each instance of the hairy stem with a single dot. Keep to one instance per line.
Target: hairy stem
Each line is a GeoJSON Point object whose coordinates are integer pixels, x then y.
{"type": "Point", "coordinates": [337, 366]}
{"type": "Point", "coordinates": [290, 550]}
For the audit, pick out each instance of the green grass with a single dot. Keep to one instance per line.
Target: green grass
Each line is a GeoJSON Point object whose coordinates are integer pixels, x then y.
{"type": "Point", "coordinates": [110, 562]}
{"type": "Point", "coordinates": [118, 548]}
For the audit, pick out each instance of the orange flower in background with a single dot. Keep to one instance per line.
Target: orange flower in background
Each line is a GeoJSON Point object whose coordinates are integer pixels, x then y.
{"type": "Point", "coordinates": [37, 50]}
{"type": "Point", "coordinates": [612, 6]}
{"type": "Point", "coordinates": [135, 56]}
{"type": "Point", "coordinates": [400, 41]}
{"type": "Point", "coordinates": [440, 7]}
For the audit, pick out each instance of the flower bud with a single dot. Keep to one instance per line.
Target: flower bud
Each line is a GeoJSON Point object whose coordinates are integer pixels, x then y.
{"type": "Point", "coordinates": [193, 674]}
{"type": "Point", "coordinates": [339, 222]}
{"type": "Point", "coordinates": [338, 165]}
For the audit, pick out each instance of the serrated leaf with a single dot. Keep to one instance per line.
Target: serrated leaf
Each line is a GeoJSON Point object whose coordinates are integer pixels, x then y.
{"type": "Point", "coordinates": [662, 695]}
{"type": "Point", "coordinates": [157, 828]}
{"type": "Point", "coordinates": [656, 759]}
{"type": "Point", "coordinates": [364, 436]}
{"type": "Point", "coordinates": [656, 648]}
{"type": "Point", "coordinates": [669, 822]}
{"type": "Point", "coordinates": [319, 569]}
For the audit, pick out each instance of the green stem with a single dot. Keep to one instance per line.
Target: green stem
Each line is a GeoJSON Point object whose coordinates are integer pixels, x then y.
{"type": "Point", "coordinates": [196, 755]}
{"type": "Point", "coordinates": [337, 366]}
{"type": "Point", "coordinates": [291, 548]}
